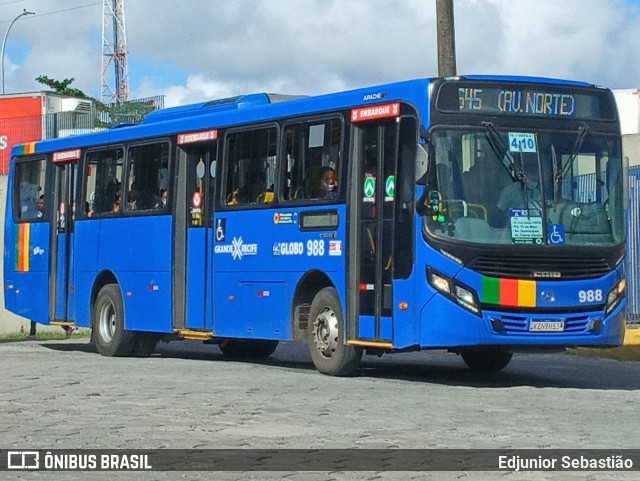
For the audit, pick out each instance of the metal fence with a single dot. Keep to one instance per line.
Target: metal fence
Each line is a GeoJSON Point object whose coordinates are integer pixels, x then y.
{"type": "Point", "coordinates": [62, 124]}
{"type": "Point", "coordinates": [633, 248]}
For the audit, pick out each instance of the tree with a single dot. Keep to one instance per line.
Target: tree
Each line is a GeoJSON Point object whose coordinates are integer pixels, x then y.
{"type": "Point", "coordinates": [62, 87]}
{"type": "Point", "coordinates": [106, 115]}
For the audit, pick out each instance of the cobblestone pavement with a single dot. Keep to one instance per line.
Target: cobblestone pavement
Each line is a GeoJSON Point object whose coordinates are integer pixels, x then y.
{"type": "Point", "coordinates": [61, 395]}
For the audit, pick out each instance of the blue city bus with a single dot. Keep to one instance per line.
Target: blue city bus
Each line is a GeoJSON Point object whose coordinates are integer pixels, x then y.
{"type": "Point", "coordinates": [479, 215]}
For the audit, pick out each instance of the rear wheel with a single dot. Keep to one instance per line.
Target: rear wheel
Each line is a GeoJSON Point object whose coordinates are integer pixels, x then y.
{"type": "Point", "coordinates": [492, 359]}
{"type": "Point", "coordinates": [109, 334]}
{"type": "Point", "coordinates": [247, 349]}
{"type": "Point", "coordinates": [329, 353]}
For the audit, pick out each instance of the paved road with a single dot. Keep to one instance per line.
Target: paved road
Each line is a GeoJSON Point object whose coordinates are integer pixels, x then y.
{"type": "Point", "coordinates": [60, 395]}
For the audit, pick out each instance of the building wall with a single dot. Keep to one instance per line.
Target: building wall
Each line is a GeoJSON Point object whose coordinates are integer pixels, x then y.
{"type": "Point", "coordinates": [20, 122]}
{"type": "Point", "coordinates": [631, 148]}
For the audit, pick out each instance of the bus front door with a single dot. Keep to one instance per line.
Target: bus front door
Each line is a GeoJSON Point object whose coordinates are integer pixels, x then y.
{"type": "Point", "coordinates": [61, 284]}
{"type": "Point", "coordinates": [193, 295]}
{"type": "Point", "coordinates": [375, 150]}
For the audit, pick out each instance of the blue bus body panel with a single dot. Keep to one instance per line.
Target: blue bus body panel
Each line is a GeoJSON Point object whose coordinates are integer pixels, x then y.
{"type": "Point", "coordinates": [26, 290]}
{"type": "Point", "coordinates": [137, 251]}
{"type": "Point", "coordinates": [260, 256]}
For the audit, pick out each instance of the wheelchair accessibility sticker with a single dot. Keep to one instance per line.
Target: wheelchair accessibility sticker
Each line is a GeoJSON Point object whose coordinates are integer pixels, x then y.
{"type": "Point", "coordinates": [555, 234]}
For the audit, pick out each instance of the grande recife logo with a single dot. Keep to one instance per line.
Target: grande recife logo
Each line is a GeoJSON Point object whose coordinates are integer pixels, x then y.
{"type": "Point", "coordinates": [238, 249]}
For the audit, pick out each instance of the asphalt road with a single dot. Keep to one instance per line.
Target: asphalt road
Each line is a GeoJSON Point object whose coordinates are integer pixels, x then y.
{"type": "Point", "coordinates": [61, 395]}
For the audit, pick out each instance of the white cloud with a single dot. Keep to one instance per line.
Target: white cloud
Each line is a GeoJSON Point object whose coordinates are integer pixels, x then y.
{"type": "Point", "coordinates": [200, 49]}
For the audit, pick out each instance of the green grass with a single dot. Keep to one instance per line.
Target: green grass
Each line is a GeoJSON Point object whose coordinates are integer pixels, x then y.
{"type": "Point", "coordinates": [46, 335]}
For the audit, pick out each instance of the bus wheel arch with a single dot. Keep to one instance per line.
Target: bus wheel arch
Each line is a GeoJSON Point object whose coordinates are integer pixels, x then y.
{"type": "Point", "coordinates": [308, 286]}
{"type": "Point", "coordinates": [107, 322]}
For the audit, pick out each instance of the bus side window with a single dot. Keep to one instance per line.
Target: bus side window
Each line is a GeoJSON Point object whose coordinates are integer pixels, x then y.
{"type": "Point", "coordinates": [311, 148]}
{"type": "Point", "coordinates": [29, 190]}
{"type": "Point", "coordinates": [147, 171]}
{"type": "Point", "coordinates": [251, 166]}
{"type": "Point", "coordinates": [102, 188]}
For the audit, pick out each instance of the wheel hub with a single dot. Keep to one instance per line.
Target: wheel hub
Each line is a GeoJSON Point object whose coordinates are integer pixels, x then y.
{"type": "Point", "coordinates": [325, 332]}
{"type": "Point", "coordinates": [107, 322]}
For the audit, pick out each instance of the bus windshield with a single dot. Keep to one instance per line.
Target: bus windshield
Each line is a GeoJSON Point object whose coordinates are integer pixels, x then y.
{"type": "Point", "coordinates": [524, 186]}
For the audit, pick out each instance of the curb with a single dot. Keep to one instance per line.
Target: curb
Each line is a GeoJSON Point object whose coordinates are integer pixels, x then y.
{"type": "Point", "coordinates": [632, 336]}
{"type": "Point", "coordinates": [629, 351]}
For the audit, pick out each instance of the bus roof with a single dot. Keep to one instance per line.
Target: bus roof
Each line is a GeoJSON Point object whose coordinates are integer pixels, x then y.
{"type": "Point", "coordinates": [223, 113]}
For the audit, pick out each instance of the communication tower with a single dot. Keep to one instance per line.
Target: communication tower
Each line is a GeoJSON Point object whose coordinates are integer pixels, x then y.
{"type": "Point", "coordinates": [115, 90]}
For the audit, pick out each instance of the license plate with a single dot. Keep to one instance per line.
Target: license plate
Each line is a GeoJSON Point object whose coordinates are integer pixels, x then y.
{"type": "Point", "coordinates": [546, 326]}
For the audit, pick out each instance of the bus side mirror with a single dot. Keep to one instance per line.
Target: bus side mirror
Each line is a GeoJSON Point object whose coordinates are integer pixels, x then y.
{"type": "Point", "coordinates": [422, 165]}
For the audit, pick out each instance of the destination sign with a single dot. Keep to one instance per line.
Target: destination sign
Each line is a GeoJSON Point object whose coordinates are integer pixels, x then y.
{"type": "Point", "coordinates": [519, 99]}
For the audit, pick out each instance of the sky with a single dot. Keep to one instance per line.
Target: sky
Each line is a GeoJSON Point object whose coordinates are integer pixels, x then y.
{"type": "Point", "coordinates": [196, 50]}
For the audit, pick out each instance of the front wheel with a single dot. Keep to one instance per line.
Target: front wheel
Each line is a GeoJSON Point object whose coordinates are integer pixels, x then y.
{"type": "Point", "coordinates": [329, 353]}
{"type": "Point", "coordinates": [109, 334]}
{"type": "Point", "coordinates": [492, 359]}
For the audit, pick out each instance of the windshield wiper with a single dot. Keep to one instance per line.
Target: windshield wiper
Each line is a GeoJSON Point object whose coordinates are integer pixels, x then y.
{"type": "Point", "coordinates": [556, 170]}
{"type": "Point", "coordinates": [582, 134]}
{"type": "Point", "coordinates": [502, 152]}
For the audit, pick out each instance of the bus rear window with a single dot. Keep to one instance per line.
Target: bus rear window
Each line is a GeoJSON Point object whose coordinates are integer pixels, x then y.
{"type": "Point", "coordinates": [29, 203]}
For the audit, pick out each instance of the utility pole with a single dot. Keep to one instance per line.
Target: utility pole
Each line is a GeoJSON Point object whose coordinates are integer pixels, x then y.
{"type": "Point", "coordinates": [446, 38]}
{"type": "Point", "coordinates": [114, 52]}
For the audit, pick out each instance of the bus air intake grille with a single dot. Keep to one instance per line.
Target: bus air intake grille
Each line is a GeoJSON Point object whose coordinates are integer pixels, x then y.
{"type": "Point", "coordinates": [520, 324]}
{"type": "Point", "coordinates": [523, 267]}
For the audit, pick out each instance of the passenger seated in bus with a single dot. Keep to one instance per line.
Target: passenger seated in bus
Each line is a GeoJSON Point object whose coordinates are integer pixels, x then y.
{"type": "Point", "coordinates": [328, 187]}
{"type": "Point", "coordinates": [40, 206]}
{"type": "Point", "coordinates": [133, 196]}
{"type": "Point", "coordinates": [163, 198]}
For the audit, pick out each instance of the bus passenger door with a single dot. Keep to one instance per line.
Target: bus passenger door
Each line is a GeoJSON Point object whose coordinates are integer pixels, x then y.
{"type": "Point", "coordinates": [61, 285]}
{"type": "Point", "coordinates": [372, 235]}
{"type": "Point", "coordinates": [195, 202]}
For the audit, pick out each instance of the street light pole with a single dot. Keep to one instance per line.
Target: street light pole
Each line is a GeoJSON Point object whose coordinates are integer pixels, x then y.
{"type": "Point", "coordinates": [4, 42]}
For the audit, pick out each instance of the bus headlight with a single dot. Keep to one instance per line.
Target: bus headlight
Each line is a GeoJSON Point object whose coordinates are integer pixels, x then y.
{"type": "Point", "coordinates": [440, 283]}
{"type": "Point", "coordinates": [614, 296]}
{"type": "Point", "coordinates": [455, 291]}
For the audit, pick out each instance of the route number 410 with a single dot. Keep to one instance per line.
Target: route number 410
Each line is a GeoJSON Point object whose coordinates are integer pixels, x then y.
{"type": "Point", "coordinates": [592, 295]}
{"type": "Point", "coordinates": [522, 142]}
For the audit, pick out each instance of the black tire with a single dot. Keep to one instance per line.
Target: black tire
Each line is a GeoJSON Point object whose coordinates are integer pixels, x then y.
{"type": "Point", "coordinates": [247, 349]}
{"type": "Point", "coordinates": [145, 344]}
{"type": "Point", "coordinates": [111, 338]}
{"type": "Point", "coordinates": [492, 359]}
{"type": "Point", "coordinates": [329, 353]}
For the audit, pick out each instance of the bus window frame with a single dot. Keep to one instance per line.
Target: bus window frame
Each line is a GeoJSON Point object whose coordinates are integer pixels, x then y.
{"type": "Point", "coordinates": [84, 214]}
{"type": "Point", "coordinates": [15, 190]}
{"type": "Point", "coordinates": [221, 196]}
{"type": "Point", "coordinates": [341, 171]}
{"type": "Point", "coordinates": [171, 154]}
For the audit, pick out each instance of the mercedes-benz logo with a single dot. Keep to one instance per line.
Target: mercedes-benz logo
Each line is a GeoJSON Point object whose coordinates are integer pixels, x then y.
{"type": "Point", "coordinates": [548, 295]}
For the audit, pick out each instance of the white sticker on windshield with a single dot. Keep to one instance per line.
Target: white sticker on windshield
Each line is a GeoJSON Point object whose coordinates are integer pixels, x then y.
{"type": "Point", "coordinates": [521, 142]}
{"type": "Point", "coordinates": [526, 226]}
